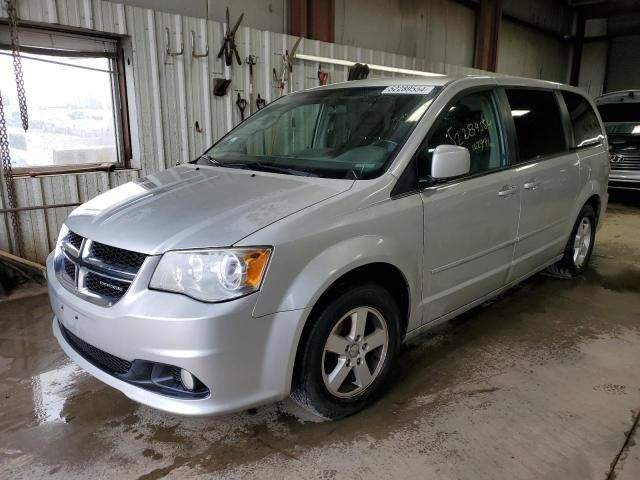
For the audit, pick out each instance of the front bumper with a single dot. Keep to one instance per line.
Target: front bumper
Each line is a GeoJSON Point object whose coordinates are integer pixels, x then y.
{"type": "Point", "coordinates": [624, 179]}
{"type": "Point", "coordinates": [242, 360]}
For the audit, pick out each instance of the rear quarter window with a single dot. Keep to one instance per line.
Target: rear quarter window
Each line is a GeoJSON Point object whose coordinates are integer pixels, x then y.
{"type": "Point", "coordinates": [538, 123]}
{"type": "Point", "coordinates": [584, 122]}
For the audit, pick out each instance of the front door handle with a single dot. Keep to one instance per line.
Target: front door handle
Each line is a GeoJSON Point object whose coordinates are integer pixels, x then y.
{"type": "Point", "coordinates": [507, 191]}
{"type": "Point", "coordinates": [532, 184]}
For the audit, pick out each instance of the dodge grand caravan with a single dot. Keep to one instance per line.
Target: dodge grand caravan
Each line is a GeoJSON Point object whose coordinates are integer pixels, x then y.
{"type": "Point", "coordinates": [299, 252]}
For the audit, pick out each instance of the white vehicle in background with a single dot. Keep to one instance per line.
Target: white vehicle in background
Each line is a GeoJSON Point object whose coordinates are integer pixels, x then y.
{"type": "Point", "coordinates": [620, 112]}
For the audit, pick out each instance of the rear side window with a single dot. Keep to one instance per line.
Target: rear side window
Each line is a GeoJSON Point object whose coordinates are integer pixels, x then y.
{"type": "Point", "coordinates": [586, 128]}
{"type": "Point", "coordinates": [538, 123]}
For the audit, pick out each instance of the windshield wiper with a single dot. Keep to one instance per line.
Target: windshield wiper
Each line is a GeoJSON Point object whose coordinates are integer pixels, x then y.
{"type": "Point", "coordinates": [210, 159]}
{"type": "Point", "coordinates": [265, 167]}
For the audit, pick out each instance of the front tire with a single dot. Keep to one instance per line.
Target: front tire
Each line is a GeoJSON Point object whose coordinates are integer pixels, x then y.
{"type": "Point", "coordinates": [348, 352]}
{"type": "Point", "coordinates": [579, 248]}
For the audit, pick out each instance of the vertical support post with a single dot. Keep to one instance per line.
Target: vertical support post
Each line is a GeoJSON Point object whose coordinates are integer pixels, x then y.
{"type": "Point", "coordinates": [298, 18]}
{"type": "Point", "coordinates": [314, 19]}
{"type": "Point", "coordinates": [488, 23]}
{"type": "Point", "coordinates": [578, 42]}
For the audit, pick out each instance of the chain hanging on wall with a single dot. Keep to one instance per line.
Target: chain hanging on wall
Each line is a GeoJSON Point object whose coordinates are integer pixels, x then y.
{"type": "Point", "coordinates": [12, 12]}
{"type": "Point", "coordinates": [7, 174]}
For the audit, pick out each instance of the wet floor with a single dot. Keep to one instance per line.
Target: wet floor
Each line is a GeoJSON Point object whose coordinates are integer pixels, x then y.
{"type": "Point", "coordinates": [540, 383]}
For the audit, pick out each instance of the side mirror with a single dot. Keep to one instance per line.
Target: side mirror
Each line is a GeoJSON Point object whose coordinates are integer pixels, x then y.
{"type": "Point", "coordinates": [449, 161]}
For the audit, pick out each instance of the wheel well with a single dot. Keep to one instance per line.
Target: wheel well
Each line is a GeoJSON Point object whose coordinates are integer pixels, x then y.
{"type": "Point", "coordinates": [594, 202]}
{"type": "Point", "coordinates": [384, 274]}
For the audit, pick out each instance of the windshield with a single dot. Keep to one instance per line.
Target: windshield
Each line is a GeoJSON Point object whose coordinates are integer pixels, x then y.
{"type": "Point", "coordinates": [335, 133]}
{"type": "Point", "coordinates": [621, 118]}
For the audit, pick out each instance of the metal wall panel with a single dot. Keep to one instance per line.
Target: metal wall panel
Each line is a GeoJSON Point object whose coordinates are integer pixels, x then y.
{"type": "Point", "coordinates": [169, 94]}
{"type": "Point", "coordinates": [526, 52]}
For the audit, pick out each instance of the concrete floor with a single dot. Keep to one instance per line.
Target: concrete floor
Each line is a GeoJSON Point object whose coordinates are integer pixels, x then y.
{"type": "Point", "coordinates": [541, 383]}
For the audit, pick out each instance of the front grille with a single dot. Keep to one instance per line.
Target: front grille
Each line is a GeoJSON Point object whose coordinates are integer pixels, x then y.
{"type": "Point", "coordinates": [105, 286]}
{"type": "Point", "coordinates": [74, 239]}
{"type": "Point", "coordinates": [625, 160]}
{"type": "Point", "coordinates": [117, 257]}
{"type": "Point", "coordinates": [101, 359]}
{"type": "Point", "coordinates": [100, 273]}
{"type": "Point", "coordinates": [70, 269]}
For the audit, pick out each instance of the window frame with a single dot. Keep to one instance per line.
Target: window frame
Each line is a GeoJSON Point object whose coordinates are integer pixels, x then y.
{"type": "Point", "coordinates": [121, 117]}
{"type": "Point", "coordinates": [511, 126]}
{"type": "Point", "coordinates": [410, 175]}
{"type": "Point", "coordinates": [569, 124]}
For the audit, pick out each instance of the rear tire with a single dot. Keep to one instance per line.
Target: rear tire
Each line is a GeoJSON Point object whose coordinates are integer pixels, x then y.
{"type": "Point", "coordinates": [579, 248]}
{"type": "Point", "coordinates": [348, 352]}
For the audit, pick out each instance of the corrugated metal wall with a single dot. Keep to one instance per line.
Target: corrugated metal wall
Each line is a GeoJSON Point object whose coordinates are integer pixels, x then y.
{"type": "Point", "coordinates": [168, 95]}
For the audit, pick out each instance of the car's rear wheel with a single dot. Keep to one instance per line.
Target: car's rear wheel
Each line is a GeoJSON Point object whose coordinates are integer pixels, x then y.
{"type": "Point", "coordinates": [579, 247]}
{"type": "Point", "coordinates": [348, 352]}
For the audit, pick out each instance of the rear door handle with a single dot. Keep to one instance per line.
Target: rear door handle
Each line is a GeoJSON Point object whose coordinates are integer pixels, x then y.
{"type": "Point", "coordinates": [507, 191]}
{"type": "Point", "coordinates": [532, 184]}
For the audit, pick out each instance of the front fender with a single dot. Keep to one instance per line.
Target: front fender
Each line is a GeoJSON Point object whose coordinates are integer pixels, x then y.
{"type": "Point", "coordinates": [320, 272]}
{"type": "Point", "coordinates": [313, 250]}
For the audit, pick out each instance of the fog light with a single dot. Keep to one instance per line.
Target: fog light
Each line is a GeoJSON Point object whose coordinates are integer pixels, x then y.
{"type": "Point", "coordinates": [188, 382]}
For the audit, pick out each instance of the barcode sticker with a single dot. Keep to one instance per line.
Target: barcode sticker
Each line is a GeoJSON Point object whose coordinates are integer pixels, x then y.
{"type": "Point", "coordinates": [409, 89]}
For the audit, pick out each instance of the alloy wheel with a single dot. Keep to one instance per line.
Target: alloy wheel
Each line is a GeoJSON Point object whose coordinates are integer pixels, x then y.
{"type": "Point", "coordinates": [354, 352]}
{"type": "Point", "coordinates": [582, 242]}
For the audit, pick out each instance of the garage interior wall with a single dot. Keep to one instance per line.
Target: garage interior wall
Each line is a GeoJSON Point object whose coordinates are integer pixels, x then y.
{"type": "Point", "coordinates": [527, 52]}
{"type": "Point", "coordinates": [623, 71]}
{"type": "Point", "coordinates": [437, 31]}
{"type": "Point", "coordinates": [167, 97]}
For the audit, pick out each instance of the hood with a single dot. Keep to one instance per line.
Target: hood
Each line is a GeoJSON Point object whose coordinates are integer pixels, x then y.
{"type": "Point", "coordinates": [196, 207]}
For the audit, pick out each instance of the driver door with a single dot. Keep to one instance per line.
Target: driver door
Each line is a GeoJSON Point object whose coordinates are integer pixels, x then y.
{"type": "Point", "coordinates": [470, 223]}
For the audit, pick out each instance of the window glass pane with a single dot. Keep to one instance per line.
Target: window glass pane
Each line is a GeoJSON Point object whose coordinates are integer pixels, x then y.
{"type": "Point", "coordinates": [336, 133]}
{"type": "Point", "coordinates": [586, 128]}
{"type": "Point", "coordinates": [71, 111]}
{"type": "Point", "coordinates": [471, 122]}
{"type": "Point", "coordinates": [621, 118]}
{"type": "Point", "coordinates": [538, 123]}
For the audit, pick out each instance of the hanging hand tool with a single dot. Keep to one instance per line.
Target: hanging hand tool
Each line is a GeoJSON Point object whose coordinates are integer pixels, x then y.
{"type": "Point", "coordinates": [260, 102]}
{"type": "Point", "coordinates": [242, 104]}
{"type": "Point", "coordinates": [282, 81]}
{"type": "Point", "coordinates": [323, 77]}
{"type": "Point", "coordinates": [220, 86]}
{"type": "Point", "coordinates": [358, 72]}
{"type": "Point", "coordinates": [251, 60]}
{"type": "Point", "coordinates": [229, 49]}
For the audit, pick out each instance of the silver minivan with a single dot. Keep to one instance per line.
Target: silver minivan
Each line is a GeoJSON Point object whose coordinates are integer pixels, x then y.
{"type": "Point", "coordinates": [300, 251]}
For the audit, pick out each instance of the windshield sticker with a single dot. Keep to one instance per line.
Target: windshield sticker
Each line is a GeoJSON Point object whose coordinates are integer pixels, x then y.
{"type": "Point", "coordinates": [408, 89]}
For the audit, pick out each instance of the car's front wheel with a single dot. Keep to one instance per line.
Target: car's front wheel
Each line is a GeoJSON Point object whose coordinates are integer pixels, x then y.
{"type": "Point", "coordinates": [348, 352]}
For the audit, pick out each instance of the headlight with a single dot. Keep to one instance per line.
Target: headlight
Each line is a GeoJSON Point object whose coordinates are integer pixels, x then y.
{"type": "Point", "coordinates": [63, 233]}
{"type": "Point", "coordinates": [212, 275]}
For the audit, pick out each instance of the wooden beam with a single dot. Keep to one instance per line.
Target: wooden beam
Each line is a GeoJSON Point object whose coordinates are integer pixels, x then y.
{"type": "Point", "coordinates": [298, 14]}
{"type": "Point", "coordinates": [487, 34]}
{"type": "Point", "coordinates": [22, 261]}
{"type": "Point", "coordinates": [578, 43]}
{"type": "Point", "coordinates": [313, 19]}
